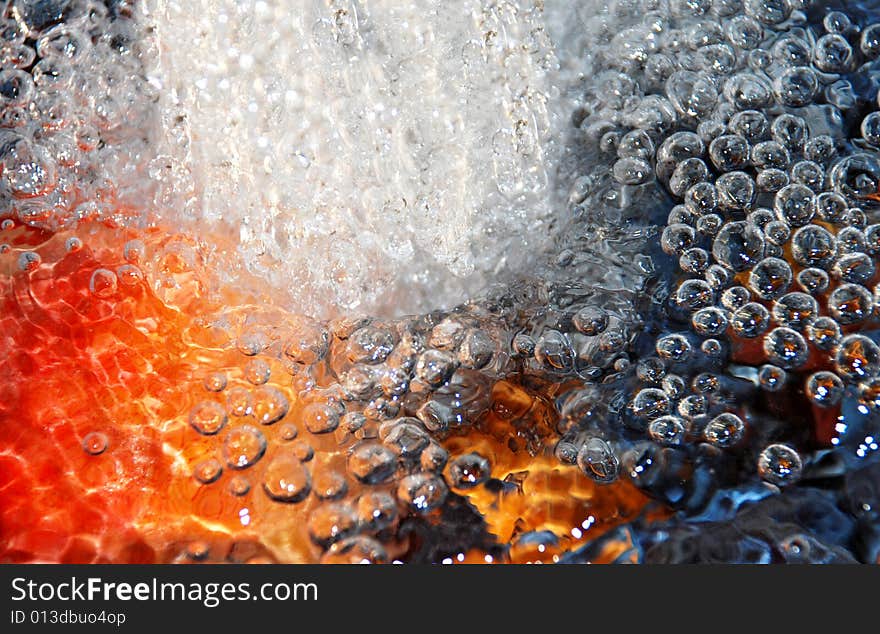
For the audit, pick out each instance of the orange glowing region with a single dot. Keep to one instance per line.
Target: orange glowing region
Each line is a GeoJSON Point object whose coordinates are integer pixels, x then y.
{"type": "Point", "coordinates": [112, 338]}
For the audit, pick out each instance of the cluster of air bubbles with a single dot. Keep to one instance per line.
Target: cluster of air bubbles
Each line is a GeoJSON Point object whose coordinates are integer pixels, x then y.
{"type": "Point", "coordinates": [395, 155]}
{"type": "Point", "coordinates": [717, 137]}
{"type": "Point", "coordinates": [344, 421]}
{"type": "Point", "coordinates": [760, 121]}
{"type": "Point", "coordinates": [75, 111]}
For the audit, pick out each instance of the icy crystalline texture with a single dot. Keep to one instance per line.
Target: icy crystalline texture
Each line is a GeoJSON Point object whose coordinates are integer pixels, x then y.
{"type": "Point", "coordinates": [380, 156]}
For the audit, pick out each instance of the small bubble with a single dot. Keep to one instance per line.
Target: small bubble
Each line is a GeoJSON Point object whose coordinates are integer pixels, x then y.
{"type": "Point", "coordinates": [269, 405]}
{"type": "Point", "coordinates": [251, 343]}
{"type": "Point", "coordinates": [832, 53]}
{"type": "Point", "coordinates": [673, 385]}
{"type": "Point", "coordinates": [677, 238]}
{"type": "Point", "coordinates": [553, 350]}
{"type": "Point", "coordinates": [331, 522]}
{"type": "Point", "coordinates": [786, 348]}
{"type": "Point", "coordinates": [597, 459]}
{"type": "Point", "coordinates": [725, 430]}
{"type": "Point", "coordinates": [376, 510]}
{"type": "Point", "coordinates": [751, 320]}
{"type": "Point", "coordinates": [824, 389]}
{"type": "Point", "coordinates": [850, 303]}
{"type": "Point", "coordinates": [780, 465]}
{"type": "Point", "coordinates": [675, 348]}
{"type": "Point", "coordinates": [771, 378]}
{"type": "Point", "coordinates": [208, 418]}
{"type": "Point", "coordinates": [287, 480]}
{"type": "Point", "coordinates": [796, 87]}
{"type": "Point", "coordinates": [134, 252]}
{"type": "Point", "coordinates": [288, 432]}
{"type": "Point", "coordinates": [372, 463]}
{"type": "Point", "coordinates": [433, 458]}
{"type": "Point", "coordinates": [95, 443]}
{"type": "Point", "coordinates": [208, 471]}
{"type": "Point", "coordinates": [590, 321]}
{"type": "Point", "coordinates": [129, 275]}
{"type": "Point", "coordinates": [729, 152]}
{"type": "Point", "coordinates": [668, 430]}
{"type": "Point", "coordinates": [869, 393]}
{"type": "Point", "coordinates": [103, 283]}
{"type": "Point", "coordinates": [857, 358]}
{"type": "Point", "coordinates": [215, 382]}
{"type": "Point", "coordinates": [824, 333]}
{"type": "Point", "coordinates": [329, 484]}
{"type": "Point", "coordinates": [795, 311]}
{"type": "Point", "coordinates": [29, 261]}
{"type": "Point", "coordinates": [694, 295]}
{"type": "Point", "coordinates": [770, 278]}
{"type": "Point", "coordinates": [239, 486]}
{"type": "Point", "coordinates": [812, 280]}
{"type": "Point", "coordinates": [243, 446]}
{"type": "Point", "coordinates": [738, 246]}
{"type": "Point", "coordinates": [303, 451]}
{"type": "Point", "coordinates": [257, 371]}
{"type": "Point", "coordinates": [422, 492]}
{"type": "Point", "coordinates": [320, 418]}
{"type": "Point", "coordinates": [808, 173]}
{"type": "Point", "coordinates": [434, 367]}
{"type": "Point", "coordinates": [468, 471]}
{"type": "Point", "coordinates": [870, 41]}
{"type": "Point", "coordinates": [239, 402]}
{"type": "Point", "coordinates": [735, 297]}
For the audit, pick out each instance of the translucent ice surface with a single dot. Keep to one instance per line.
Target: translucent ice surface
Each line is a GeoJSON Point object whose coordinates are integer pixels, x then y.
{"type": "Point", "coordinates": [381, 156]}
